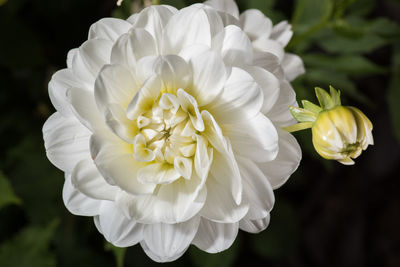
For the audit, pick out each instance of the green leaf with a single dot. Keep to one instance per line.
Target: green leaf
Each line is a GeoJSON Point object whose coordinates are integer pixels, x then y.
{"type": "Point", "coordinates": [335, 95]}
{"type": "Point", "coordinates": [311, 106]}
{"type": "Point", "coordinates": [302, 115]}
{"type": "Point", "coordinates": [222, 259]}
{"type": "Point", "coordinates": [29, 248]}
{"type": "Point", "coordinates": [338, 44]}
{"type": "Point", "coordinates": [119, 253]}
{"type": "Point", "coordinates": [350, 64]}
{"type": "Point", "coordinates": [362, 7]}
{"type": "Point", "coordinates": [7, 195]}
{"type": "Point", "coordinates": [385, 27]}
{"type": "Point", "coordinates": [324, 99]}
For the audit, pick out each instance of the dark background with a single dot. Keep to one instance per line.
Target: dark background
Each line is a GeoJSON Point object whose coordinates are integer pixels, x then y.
{"type": "Point", "coordinates": [327, 214]}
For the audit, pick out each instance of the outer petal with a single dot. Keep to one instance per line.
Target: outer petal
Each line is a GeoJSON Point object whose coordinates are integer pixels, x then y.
{"type": "Point", "coordinates": [266, 44]}
{"type": "Point", "coordinates": [59, 84]}
{"type": "Point", "coordinates": [269, 84]}
{"type": "Point", "coordinates": [241, 99]}
{"type": "Point", "coordinates": [209, 76]}
{"type": "Point", "coordinates": [167, 242]}
{"type": "Point", "coordinates": [116, 228]}
{"type": "Point", "coordinates": [109, 29]}
{"type": "Point", "coordinates": [234, 46]}
{"type": "Point", "coordinates": [196, 24]}
{"type": "Point", "coordinates": [132, 46]}
{"type": "Point", "coordinates": [114, 159]}
{"type": "Point", "coordinates": [89, 59]}
{"type": "Point", "coordinates": [255, 138]}
{"type": "Point", "coordinates": [255, 24]}
{"type": "Point", "coordinates": [153, 19]}
{"type": "Point", "coordinates": [293, 66]}
{"type": "Point", "coordinates": [215, 237]}
{"type": "Point", "coordinates": [173, 70]}
{"type": "Point", "coordinates": [282, 33]}
{"type": "Point", "coordinates": [227, 6]}
{"type": "Point", "coordinates": [88, 180]}
{"type": "Point", "coordinates": [256, 189]}
{"type": "Point", "coordinates": [172, 203]}
{"type": "Point", "coordinates": [286, 162]}
{"type": "Point", "coordinates": [66, 141]}
{"type": "Point", "coordinates": [280, 114]}
{"type": "Point", "coordinates": [254, 226]}
{"type": "Point", "coordinates": [220, 205]}
{"type": "Point", "coordinates": [78, 203]}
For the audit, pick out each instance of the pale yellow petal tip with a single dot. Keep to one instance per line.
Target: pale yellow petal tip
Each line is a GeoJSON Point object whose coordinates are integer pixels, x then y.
{"type": "Point", "coordinates": [347, 161]}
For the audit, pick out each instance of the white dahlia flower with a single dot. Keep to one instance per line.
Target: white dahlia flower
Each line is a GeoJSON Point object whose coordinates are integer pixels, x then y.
{"type": "Point", "coordinates": [168, 126]}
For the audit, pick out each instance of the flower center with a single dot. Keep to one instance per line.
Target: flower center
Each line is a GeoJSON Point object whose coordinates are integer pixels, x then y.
{"type": "Point", "coordinates": [167, 132]}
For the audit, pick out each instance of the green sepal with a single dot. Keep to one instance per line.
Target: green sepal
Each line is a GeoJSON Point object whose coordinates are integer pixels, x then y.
{"type": "Point", "coordinates": [335, 95]}
{"type": "Point", "coordinates": [324, 99]}
{"type": "Point", "coordinates": [302, 115]}
{"type": "Point", "coordinates": [298, 126]}
{"type": "Point", "coordinates": [311, 106]}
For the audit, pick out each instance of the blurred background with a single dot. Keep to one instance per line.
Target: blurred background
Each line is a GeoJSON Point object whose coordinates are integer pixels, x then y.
{"type": "Point", "coordinates": [327, 214]}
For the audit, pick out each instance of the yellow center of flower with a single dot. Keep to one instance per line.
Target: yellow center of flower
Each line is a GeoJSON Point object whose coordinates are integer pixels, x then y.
{"type": "Point", "coordinates": [168, 129]}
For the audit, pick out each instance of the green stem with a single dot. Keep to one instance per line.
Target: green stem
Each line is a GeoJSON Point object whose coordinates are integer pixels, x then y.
{"type": "Point", "coordinates": [298, 127]}
{"type": "Point", "coordinates": [156, 2]}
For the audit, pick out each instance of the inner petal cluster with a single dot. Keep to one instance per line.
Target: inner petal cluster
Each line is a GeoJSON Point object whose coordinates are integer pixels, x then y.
{"type": "Point", "coordinates": [168, 128]}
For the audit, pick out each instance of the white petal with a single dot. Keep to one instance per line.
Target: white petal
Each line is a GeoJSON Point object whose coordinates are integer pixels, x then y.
{"type": "Point", "coordinates": [172, 203]}
{"type": "Point", "coordinates": [158, 173]}
{"type": "Point", "coordinates": [269, 84]}
{"type": "Point", "coordinates": [109, 29]}
{"type": "Point", "coordinates": [78, 203]}
{"type": "Point", "coordinates": [215, 237]}
{"type": "Point", "coordinates": [256, 189]}
{"type": "Point", "coordinates": [227, 6]}
{"type": "Point", "coordinates": [293, 66]}
{"type": "Point", "coordinates": [153, 19]}
{"type": "Point", "coordinates": [279, 113]}
{"type": "Point", "coordinates": [241, 98]}
{"type": "Point", "coordinates": [183, 166]}
{"type": "Point", "coordinates": [113, 158]}
{"type": "Point", "coordinates": [255, 24]}
{"type": "Point", "coordinates": [59, 84]}
{"type": "Point", "coordinates": [203, 158]}
{"type": "Point", "coordinates": [286, 162]}
{"type": "Point", "coordinates": [234, 46]}
{"type": "Point", "coordinates": [90, 58]}
{"type": "Point", "coordinates": [167, 242]}
{"type": "Point", "coordinates": [189, 105]}
{"type": "Point", "coordinates": [114, 84]}
{"type": "Point", "coordinates": [70, 56]}
{"type": "Point", "coordinates": [116, 228]}
{"type": "Point", "coordinates": [132, 46]}
{"type": "Point", "coordinates": [254, 226]}
{"type": "Point", "coordinates": [196, 24]}
{"type": "Point", "coordinates": [85, 109]}
{"type": "Point", "coordinates": [144, 98]}
{"type": "Point", "coordinates": [209, 76]}
{"type": "Point", "coordinates": [255, 138]}
{"type": "Point", "coordinates": [173, 71]}
{"type": "Point", "coordinates": [220, 205]}
{"type": "Point", "coordinates": [265, 44]}
{"type": "Point", "coordinates": [66, 141]}
{"type": "Point", "coordinates": [88, 180]}
{"type": "Point", "coordinates": [282, 33]}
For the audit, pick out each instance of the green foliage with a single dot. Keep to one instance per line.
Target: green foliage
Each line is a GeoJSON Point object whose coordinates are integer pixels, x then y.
{"type": "Point", "coordinates": [7, 195]}
{"type": "Point", "coordinates": [30, 248]}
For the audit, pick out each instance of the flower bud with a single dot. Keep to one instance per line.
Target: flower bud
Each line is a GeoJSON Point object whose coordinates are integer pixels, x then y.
{"type": "Point", "coordinates": [341, 134]}
{"type": "Point", "coordinates": [338, 132]}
